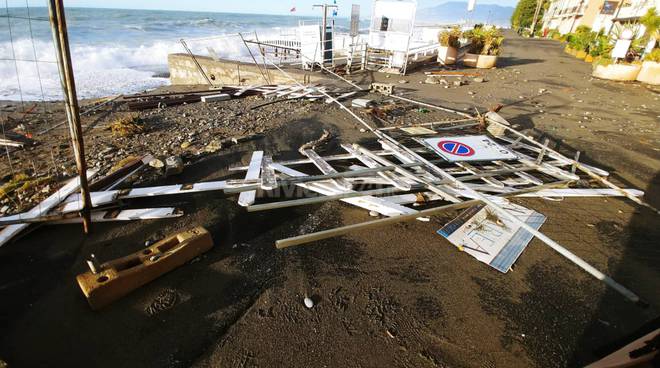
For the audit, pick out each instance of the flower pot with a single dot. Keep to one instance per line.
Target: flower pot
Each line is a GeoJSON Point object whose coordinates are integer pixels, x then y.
{"type": "Point", "coordinates": [480, 61]}
{"type": "Point", "coordinates": [589, 59]}
{"type": "Point", "coordinates": [447, 55]}
{"type": "Point", "coordinates": [581, 54]}
{"type": "Point", "coordinates": [650, 73]}
{"type": "Point", "coordinates": [617, 72]}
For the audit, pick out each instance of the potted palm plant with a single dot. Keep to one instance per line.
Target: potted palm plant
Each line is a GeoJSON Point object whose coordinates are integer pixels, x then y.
{"type": "Point", "coordinates": [449, 44]}
{"type": "Point", "coordinates": [485, 46]}
{"type": "Point", "coordinates": [650, 72]}
{"type": "Point", "coordinates": [625, 68]}
{"type": "Point", "coordinates": [605, 68]}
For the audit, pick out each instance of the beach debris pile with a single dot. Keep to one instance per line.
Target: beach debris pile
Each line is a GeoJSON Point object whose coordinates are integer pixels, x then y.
{"type": "Point", "coordinates": [217, 94]}
{"type": "Point", "coordinates": [474, 163]}
{"type": "Point", "coordinates": [445, 167]}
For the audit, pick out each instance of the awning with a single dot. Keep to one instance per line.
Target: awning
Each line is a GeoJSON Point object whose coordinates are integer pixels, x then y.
{"type": "Point", "coordinates": [626, 19]}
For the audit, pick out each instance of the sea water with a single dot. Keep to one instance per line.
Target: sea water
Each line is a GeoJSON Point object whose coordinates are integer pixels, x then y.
{"type": "Point", "coordinates": [120, 51]}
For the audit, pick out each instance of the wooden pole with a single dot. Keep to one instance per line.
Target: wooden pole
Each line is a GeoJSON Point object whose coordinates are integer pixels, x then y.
{"type": "Point", "coordinates": [61, 40]}
{"type": "Point", "coordinates": [539, 3]}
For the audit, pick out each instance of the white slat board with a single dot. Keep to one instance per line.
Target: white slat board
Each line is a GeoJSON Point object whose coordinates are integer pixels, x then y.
{"type": "Point", "coordinates": [254, 169]}
{"type": "Point", "coordinates": [128, 215]}
{"type": "Point", "coordinates": [370, 203]}
{"type": "Point", "coordinates": [42, 208]}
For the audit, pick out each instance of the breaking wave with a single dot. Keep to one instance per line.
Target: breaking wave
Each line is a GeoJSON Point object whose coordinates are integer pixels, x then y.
{"type": "Point", "coordinates": [120, 51]}
{"type": "Point", "coordinates": [101, 70]}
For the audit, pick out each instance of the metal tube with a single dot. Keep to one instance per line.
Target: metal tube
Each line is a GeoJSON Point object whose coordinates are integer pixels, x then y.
{"type": "Point", "coordinates": [61, 39]}
{"type": "Point", "coordinates": [199, 67]}
{"type": "Point", "coordinates": [321, 199]}
{"type": "Point", "coordinates": [325, 234]}
{"type": "Point", "coordinates": [253, 58]}
{"type": "Point", "coordinates": [578, 165]}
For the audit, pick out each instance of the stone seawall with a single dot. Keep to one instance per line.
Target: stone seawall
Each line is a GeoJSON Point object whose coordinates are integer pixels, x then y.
{"type": "Point", "coordinates": [226, 72]}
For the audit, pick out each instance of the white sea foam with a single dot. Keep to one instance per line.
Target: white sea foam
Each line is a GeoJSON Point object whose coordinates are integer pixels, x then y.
{"type": "Point", "coordinates": [100, 70]}
{"type": "Point", "coordinates": [122, 51]}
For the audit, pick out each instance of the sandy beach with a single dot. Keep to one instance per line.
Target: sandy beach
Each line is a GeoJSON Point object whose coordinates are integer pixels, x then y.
{"type": "Point", "coordinates": [399, 296]}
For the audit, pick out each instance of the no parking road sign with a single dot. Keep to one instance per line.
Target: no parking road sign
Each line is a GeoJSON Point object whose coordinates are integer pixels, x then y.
{"type": "Point", "coordinates": [469, 148]}
{"type": "Point", "coordinates": [456, 148]}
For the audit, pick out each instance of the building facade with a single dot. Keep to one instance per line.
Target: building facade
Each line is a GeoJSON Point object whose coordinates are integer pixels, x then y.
{"type": "Point", "coordinates": [599, 15]}
{"type": "Point", "coordinates": [628, 14]}
{"type": "Point", "coordinates": [565, 15]}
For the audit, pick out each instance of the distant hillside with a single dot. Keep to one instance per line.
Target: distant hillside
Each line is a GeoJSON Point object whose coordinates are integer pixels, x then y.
{"type": "Point", "coordinates": [456, 11]}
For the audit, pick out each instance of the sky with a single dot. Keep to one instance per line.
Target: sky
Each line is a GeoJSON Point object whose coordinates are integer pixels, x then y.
{"type": "Point", "coordinates": [282, 7]}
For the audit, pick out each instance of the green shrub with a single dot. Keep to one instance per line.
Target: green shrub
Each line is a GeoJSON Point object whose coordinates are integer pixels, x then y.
{"type": "Point", "coordinates": [582, 38]}
{"type": "Point", "coordinates": [653, 56]}
{"type": "Point", "coordinates": [571, 39]}
{"type": "Point", "coordinates": [651, 21]}
{"type": "Point", "coordinates": [604, 61]}
{"type": "Point", "coordinates": [523, 14]}
{"type": "Point", "coordinates": [600, 46]}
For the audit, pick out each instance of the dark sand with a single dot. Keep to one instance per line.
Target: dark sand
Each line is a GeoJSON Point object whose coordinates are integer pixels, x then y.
{"type": "Point", "coordinates": [398, 296]}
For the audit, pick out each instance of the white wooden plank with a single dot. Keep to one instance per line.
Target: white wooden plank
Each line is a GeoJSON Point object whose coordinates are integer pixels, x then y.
{"type": "Point", "coordinates": [42, 208]}
{"type": "Point", "coordinates": [340, 97]}
{"type": "Point", "coordinates": [371, 163]}
{"type": "Point", "coordinates": [254, 169]}
{"type": "Point", "coordinates": [527, 177]}
{"type": "Point", "coordinates": [445, 191]}
{"type": "Point", "coordinates": [473, 170]}
{"type": "Point", "coordinates": [291, 90]}
{"type": "Point", "coordinates": [127, 215]}
{"type": "Point", "coordinates": [74, 202]}
{"type": "Point", "coordinates": [245, 89]}
{"type": "Point", "coordinates": [370, 203]}
{"type": "Point", "coordinates": [277, 90]}
{"type": "Point", "coordinates": [325, 168]}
